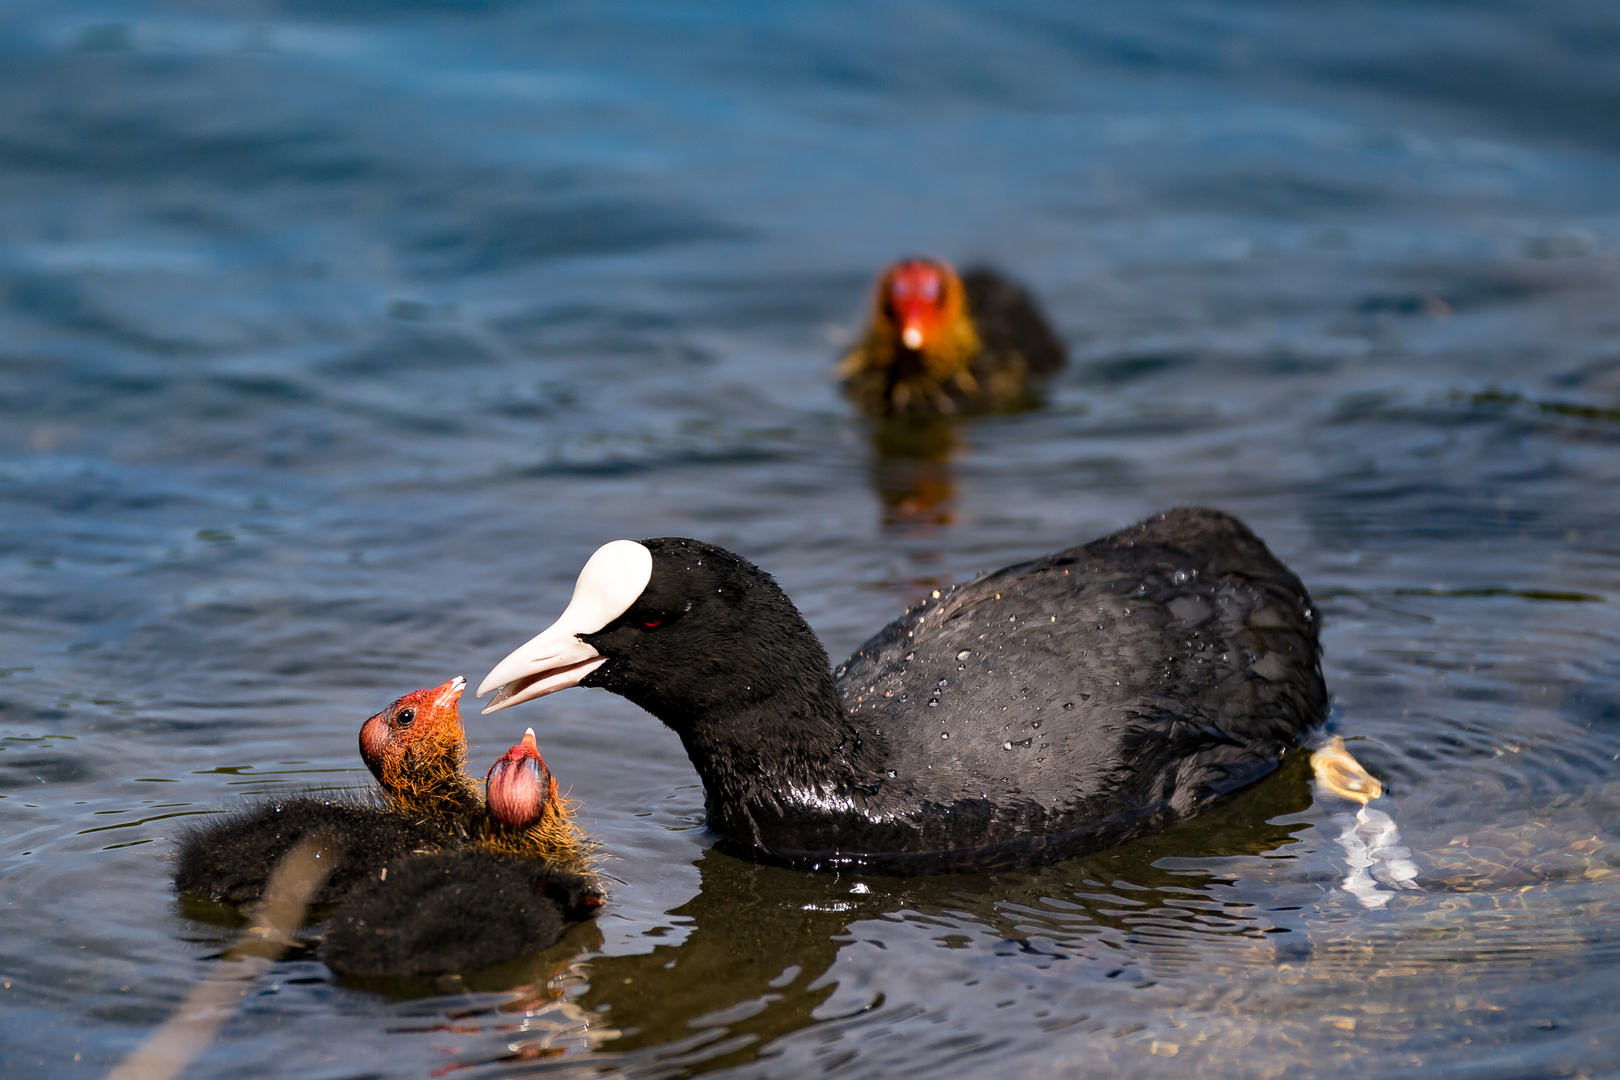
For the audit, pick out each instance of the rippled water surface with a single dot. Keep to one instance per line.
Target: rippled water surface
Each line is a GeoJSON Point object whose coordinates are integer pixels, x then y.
{"type": "Point", "coordinates": [334, 336]}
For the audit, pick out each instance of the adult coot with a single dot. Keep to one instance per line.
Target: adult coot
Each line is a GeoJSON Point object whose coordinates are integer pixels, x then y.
{"type": "Point", "coordinates": [1053, 707]}
{"type": "Point", "coordinates": [942, 343]}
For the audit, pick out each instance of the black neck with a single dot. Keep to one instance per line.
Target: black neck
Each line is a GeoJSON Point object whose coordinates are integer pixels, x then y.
{"type": "Point", "coordinates": [715, 649]}
{"type": "Point", "coordinates": [779, 757]}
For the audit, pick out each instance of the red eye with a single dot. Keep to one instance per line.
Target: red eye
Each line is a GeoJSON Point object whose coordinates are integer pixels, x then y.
{"type": "Point", "coordinates": [652, 622]}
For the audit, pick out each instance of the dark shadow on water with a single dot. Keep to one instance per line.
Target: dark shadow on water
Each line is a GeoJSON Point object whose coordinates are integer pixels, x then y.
{"type": "Point", "coordinates": [532, 978]}
{"type": "Point", "coordinates": [761, 937]}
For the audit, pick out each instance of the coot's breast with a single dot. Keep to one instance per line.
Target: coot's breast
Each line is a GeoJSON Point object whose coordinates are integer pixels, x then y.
{"type": "Point", "coordinates": [1102, 690]}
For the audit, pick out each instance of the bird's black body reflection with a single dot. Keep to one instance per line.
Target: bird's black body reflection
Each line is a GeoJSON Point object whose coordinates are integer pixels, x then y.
{"type": "Point", "coordinates": [761, 937]}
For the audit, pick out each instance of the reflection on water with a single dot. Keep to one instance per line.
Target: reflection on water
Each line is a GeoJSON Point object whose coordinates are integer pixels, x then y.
{"type": "Point", "coordinates": [760, 941]}
{"type": "Point", "coordinates": [911, 468]}
{"type": "Point", "coordinates": [334, 337]}
{"type": "Point", "coordinates": [1167, 944]}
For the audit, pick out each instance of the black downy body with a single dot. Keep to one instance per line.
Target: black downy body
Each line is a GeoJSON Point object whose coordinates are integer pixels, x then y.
{"type": "Point", "coordinates": [1011, 323]}
{"type": "Point", "coordinates": [1051, 708]}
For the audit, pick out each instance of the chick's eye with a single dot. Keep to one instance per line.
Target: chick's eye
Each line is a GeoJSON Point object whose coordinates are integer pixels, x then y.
{"type": "Point", "coordinates": [406, 717]}
{"type": "Point", "coordinates": [652, 622]}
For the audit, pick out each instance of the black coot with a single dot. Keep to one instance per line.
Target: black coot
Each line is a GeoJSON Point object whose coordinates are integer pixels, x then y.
{"type": "Point", "coordinates": [1051, 708]}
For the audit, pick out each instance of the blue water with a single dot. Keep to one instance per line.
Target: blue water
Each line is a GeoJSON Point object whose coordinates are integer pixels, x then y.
{"type": "Point", "coordinates": [334, 337]}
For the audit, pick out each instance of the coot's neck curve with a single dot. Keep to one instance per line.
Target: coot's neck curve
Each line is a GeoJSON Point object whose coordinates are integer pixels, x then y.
{"type": "Point", "coordinates": [746, 684]}
{"type": "Point", "coordinates": [789, 758]}
{"type": "Point", "coordinates": [714, 648]}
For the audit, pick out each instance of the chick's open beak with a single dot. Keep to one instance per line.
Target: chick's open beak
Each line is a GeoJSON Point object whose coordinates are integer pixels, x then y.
{"type": "Point", "coordinates": [518, 785]}
{"type": "Point", "coordinates": [450, 693]}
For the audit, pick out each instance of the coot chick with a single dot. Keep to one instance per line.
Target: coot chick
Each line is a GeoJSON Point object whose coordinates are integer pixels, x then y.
{"type": "Point", "coordinates": [230, 862]}
{"type": "Point", "coordinates": [417, 750]}
{"type": "Point", "coordinates": [526, 815]}
{"type": "Point", "coordinates": [456, 911]}
{"type": "Point", "coordinates": [942, 343]}
{"type": "Point", "coordinates": [512, 894]}
{"type": "Point", "coordinates": [415, 747]}
{"type": "Point", "coordinates": [1054, 707]}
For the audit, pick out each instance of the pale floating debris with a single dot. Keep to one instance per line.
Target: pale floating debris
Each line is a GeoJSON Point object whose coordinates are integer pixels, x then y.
{"type": "Point", "coordinates": [1371, 841]}
{"type": "Point", "coordinates": [1340, 773]}
{"type": "Point", "coordinates": [1374, 853]}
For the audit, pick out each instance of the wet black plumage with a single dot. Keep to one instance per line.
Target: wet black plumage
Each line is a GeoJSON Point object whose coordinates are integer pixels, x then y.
{"type": "Point", "coordinates": [1053, 707]}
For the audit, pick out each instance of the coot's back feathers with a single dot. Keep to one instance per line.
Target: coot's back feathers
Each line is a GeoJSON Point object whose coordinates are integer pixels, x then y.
{"type": "Point", "coordinates": [1085, 697]}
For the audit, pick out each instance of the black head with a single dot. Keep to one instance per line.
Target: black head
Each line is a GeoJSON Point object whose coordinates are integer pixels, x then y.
{"type": "Point", "coordinates": [708, 643]}
{"type": "Point", "coordinates": [710, 635]}
{"type": "Point", "coordinates": [688, 631]}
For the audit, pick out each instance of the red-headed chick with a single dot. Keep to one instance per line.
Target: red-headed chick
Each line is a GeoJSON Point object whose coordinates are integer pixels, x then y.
{"type": "Point", "coordinates": [416, 749]}
{"type": "Point", "coordinates": [526, 814]}
{"type": "Point", "coordinates": [942, 343]}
